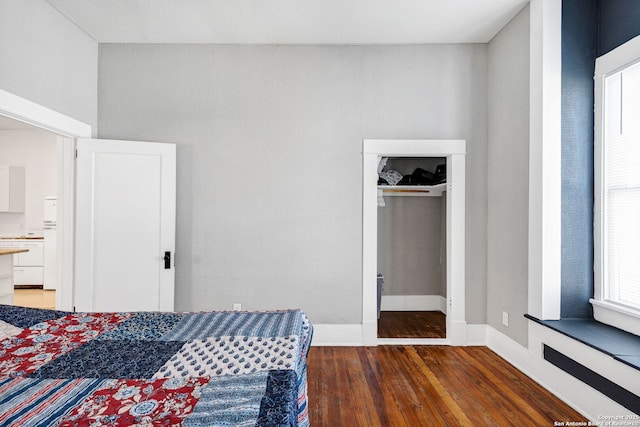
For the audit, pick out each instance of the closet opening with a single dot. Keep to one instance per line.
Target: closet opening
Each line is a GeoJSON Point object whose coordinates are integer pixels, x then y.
{"type": "Point", "coordinates": [445, 200]}
{"type": "Point", "coordinates": [412, 273]}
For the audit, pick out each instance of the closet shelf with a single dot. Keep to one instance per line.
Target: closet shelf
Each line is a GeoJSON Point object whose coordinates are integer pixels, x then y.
{"type": "Point", "coordinates": [413, 190]}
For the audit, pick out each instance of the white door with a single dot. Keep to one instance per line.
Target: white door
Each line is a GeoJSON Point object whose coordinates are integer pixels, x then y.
{"type": "Point", "coordinates": [125, 226]}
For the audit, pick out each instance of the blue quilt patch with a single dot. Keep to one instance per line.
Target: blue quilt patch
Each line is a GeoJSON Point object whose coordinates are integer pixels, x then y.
{"type": "Point", "coordinates": [143, 326]}
{"type": "Point", "coordinates": [279, 406]}
{"type": "Point", "coordinates": [203, 325]}
{"type": "Point", "coordinates": [23, 317]}
{"type": "Point", "coordinates": [111, 359]}
{"type": "Point", "coordinates": [229, 400]}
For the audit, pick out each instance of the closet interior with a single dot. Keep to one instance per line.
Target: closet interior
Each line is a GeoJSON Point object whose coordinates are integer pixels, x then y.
{"type": "Point", "coordinates": [412, 291]}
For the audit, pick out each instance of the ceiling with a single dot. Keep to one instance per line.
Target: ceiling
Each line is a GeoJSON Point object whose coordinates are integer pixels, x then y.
{"type": "Point", "coordinates": [290, 21]}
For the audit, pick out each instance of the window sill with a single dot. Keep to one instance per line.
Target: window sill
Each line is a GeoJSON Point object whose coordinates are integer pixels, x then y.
{"type": "Point", "coordinates": [622, 346]}
{"type": "Point", "coordinates": [616, 316]}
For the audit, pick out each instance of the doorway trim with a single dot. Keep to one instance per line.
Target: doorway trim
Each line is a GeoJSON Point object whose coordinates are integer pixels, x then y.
{"type": "Point", "coordinates": [68, 129]}
{"type": "Point", "coordinates": [455, 152]}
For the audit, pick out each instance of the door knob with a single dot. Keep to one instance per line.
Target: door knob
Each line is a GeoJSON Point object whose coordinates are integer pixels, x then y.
{"type": "Point", "coordinates": [167, 260]}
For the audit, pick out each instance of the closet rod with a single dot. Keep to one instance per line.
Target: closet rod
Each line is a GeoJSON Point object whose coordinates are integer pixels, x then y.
{"type": "Point", "coordinates": [404, 191]}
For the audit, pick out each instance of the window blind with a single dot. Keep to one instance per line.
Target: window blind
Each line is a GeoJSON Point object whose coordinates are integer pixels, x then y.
{"type": "Point", "coordinates": [622, 187]}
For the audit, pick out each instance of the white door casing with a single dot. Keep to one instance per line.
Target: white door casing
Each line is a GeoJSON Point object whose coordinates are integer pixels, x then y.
{"type": "Point", "coordinates": [125, 223]}
{"type": "Point", "coordinates": [455, 152]}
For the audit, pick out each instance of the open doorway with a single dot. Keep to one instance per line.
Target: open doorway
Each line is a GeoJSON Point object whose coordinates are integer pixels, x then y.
{"type": "Point", "coordinates": [30, 155]}
{"type": "Point", "coordinates": [33, 153]}
{"type": "Point", "coordinates": [412, 247]}
{"type": "Point", "coordinates": [454, 153]}
{"type": "Point", "coordinates": [65, 129]}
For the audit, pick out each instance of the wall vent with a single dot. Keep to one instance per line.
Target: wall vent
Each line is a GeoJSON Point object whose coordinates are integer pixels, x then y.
{"type": "Point", "coordinates": [607, 387]}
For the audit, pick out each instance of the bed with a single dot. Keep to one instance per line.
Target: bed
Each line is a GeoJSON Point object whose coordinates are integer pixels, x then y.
{"type": "Point", "coordinates": [147, 368]}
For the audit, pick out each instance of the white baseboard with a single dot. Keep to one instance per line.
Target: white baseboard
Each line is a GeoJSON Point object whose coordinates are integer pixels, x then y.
{"type": "Point", "coordinates": [413, 303]}
{"type": "Point", "coordinates": [477, 334]}
{"type": "Point", "coordinates": [337, 335]}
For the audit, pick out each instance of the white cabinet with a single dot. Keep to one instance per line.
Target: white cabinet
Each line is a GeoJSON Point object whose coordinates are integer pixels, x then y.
{"type": "Point", "coordinates": [27, 266]}
{"type": "Point", "coordinates": [33, 258]}
{"type": "Point", "coordinates": [11, 189]}
{"type": "Point", "coordinates": [6, 280]}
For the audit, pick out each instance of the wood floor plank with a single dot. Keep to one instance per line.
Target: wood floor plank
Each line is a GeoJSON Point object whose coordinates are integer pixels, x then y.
{"type": "Point", "coordinates": [425, 386]}
{"type": "Point", "coordinates": [385, 406]}
{"type": "Point", "coordinates": [507, 388]}
{"type": "Point", "coordinates": [390, 383]}
{"type": "Point", "coordinates": [471, 393]}
{"type": "Point", "coordinates": [448, 403]}
{"type": "Point", "coordinates": [413, 395]}
{"type": "Point", "coordinates": [357, 383]}
{"type": "Point", "coordinates": [340, 402]}
{"type": "Point", "coordinates": [318, 395]}
{"type": "Point", "coordinates": [507, 408]}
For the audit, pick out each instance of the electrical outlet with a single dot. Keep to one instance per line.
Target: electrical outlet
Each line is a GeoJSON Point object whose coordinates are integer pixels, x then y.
{"type": "Point", "coordinates": [237, 306]}
{"type": "Point", "coordinates": [505, 318]}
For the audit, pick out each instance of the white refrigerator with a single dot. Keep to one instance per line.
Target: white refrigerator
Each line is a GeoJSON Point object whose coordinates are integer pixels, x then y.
{"type": "Point", "coordinates": [50, 243]}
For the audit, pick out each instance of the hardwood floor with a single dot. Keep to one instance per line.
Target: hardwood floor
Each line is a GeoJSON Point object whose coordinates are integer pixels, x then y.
{"type": "Point", "coordinates": [34, 298]}
{"type": "Point", "coordinates": [417, 386]}
{"type": "Point", "coordinates": [412, 324]}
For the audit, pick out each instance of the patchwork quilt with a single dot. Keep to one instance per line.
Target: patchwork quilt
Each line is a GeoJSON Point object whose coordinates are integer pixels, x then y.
{"type": "Point", "coordinates": [153, 369]}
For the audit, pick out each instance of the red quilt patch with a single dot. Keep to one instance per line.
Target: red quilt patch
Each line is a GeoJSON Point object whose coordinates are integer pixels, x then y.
{"type": "Point", "coordinates": [163, 402]}
{"type": "Point", "coordinates": [41, 343]}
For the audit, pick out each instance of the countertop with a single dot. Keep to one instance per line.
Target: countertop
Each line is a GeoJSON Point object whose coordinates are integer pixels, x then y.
{"type": "Point", "coordinates": [22, 238]}
{"type": "Point", "coordinates": [11, 251]}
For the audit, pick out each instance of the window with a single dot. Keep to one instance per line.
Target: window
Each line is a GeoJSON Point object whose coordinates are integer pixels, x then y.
{"type": "Point", "coordinates": [621, 187]}
{"type": "Point", "coordinates": [617, 188]}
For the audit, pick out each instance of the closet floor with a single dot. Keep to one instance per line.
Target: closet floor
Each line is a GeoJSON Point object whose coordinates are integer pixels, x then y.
{"type": "Point", "coordinates": [412, 324]}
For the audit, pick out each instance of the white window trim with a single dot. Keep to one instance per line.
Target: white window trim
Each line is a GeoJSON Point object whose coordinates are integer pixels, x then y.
{"type": "Point", "coordinates": [545, 168]}
{"type": "Point", "coordinates": [604, 311]}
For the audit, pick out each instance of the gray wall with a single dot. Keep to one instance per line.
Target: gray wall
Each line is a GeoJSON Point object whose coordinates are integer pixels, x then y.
{"type": "Point", "coordinates": [269, 158]}
{"type": "Point", "coordinates": [48, 60]}
{"type": "Point", "coordinates": [507, 178]}
{"type": "Point", "coordinates": [409, 244]}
